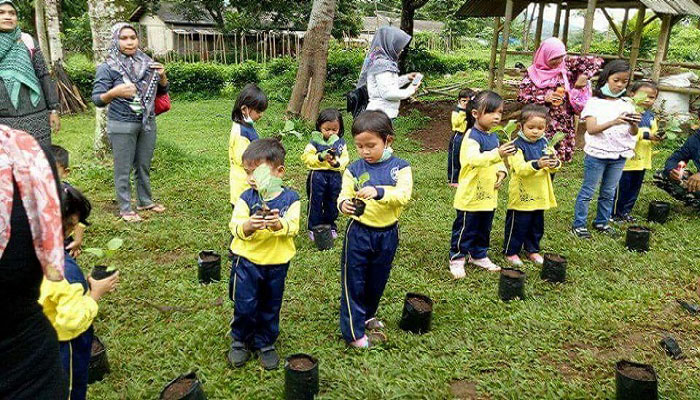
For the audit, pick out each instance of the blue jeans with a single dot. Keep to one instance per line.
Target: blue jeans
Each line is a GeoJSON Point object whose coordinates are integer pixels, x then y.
{"type": "Point", "coordinates": [597, 171]}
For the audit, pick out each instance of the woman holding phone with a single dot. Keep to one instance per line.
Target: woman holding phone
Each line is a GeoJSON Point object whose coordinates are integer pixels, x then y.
{"type": "Point", "coordinates": [129, 81]}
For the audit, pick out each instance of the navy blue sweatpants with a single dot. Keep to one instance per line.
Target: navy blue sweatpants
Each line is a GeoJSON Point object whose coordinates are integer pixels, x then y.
{"type": "Point", "coordinates": [523, 229]}
{"type": "Point", "coordinates": [453, 163]}
{"type": "Point", "coordinates": [256, 291]}
{"type": "Point", "coordinates": [322, 189]}
{"type": "Point", "coordinates": [471, 234]}
{"type": "Point", "coordinates": [365, 264]}
{"type": "Point", "coordinates": [75, 357]}
{"type": "Point", "coordinates": [627, 192]}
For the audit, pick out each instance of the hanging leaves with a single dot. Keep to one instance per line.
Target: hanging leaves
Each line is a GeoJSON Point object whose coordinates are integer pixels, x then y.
{"type": "Point", "coordinates": [267, 184]}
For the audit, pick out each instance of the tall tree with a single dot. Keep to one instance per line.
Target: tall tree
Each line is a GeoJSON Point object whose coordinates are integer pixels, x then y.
{"type": "Point", "coordinates": [311, 75]}
{"type": "Point", "coordinates": [40, 22]}
{"type": "Point", "coordinates": [103, 13]}
{"type": "Point", "coordinates": [53, 28]}
{"type": "Point", "coordinates": [408, 14]}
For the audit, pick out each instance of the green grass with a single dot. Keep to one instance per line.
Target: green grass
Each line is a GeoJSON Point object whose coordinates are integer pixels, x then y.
{"type": "Point", "coordinates": [561, 343]}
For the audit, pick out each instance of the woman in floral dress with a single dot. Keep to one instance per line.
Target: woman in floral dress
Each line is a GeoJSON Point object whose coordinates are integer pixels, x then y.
{"type": "Point", "coordinates": [561, 83]}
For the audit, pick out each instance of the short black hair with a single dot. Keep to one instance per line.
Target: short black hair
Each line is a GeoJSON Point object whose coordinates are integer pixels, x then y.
{"type": "Point", "coordinates": [330, 115]}
{"type": "Point", "coordinates": [265, 150]}
{"type": "Point", "coordinates": [533, 110]}
{"type": "Point", "coordinates": [375, 121]}
{"type": "Point", "coordinates": [465, 94]}
{"type": "Point", "coordinates": [73, 202]}
{"type": "Point", "coordinates": [485, 101]}
{"type": "Point", "coordinates": [252, 97]}
{"type": "Point", "coordinates": [636, 85]}
{"type": "Point", "coordinates": [611, 68]}
{"type": "Point", "coordinates": [61, 155]}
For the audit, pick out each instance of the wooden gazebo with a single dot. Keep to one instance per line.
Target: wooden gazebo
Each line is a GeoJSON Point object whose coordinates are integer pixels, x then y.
{"type": "Point", "coordinates": [669, 11]}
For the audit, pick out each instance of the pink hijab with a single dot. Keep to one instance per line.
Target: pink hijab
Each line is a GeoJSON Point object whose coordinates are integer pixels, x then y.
{"type": "Point", "coordinates": [540, 73]}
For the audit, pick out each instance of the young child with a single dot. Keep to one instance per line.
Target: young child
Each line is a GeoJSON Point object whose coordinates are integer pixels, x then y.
{"type": "Point", "coordinates": [530, 189]}
{"type": "Point", "coordinates": [71, 305]}
{"type": "Point", "coordinates": [371, 238]}
{"type": "Point", "coordinates": [326, 163]}
{"type": "Point", "coordinates": [250, 106]}
{"type": "Point", "coordinates": [611, 136]}
{"type": "Point", "coordinates": [480, 177]}
{"type": "Point", "coordinates": [74, 242]}
{"type": "Point", "coordinates": [262, 248]}
{"type": "Point", "coordinates": [635, 168]}
{"type": "Point", "coordinates": [461, 121]}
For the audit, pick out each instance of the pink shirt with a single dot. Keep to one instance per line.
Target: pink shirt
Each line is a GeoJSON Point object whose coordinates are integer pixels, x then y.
{"type": "Point", "coordinates": [616, 141]}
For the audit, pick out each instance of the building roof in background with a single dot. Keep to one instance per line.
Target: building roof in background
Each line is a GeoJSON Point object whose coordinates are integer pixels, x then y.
{"type": "Point", "coordinates": [371, 24]}
{"type": "Point", "coordinates": [169, 14]}
{"type": "Point", "coordinates": [497, 8]}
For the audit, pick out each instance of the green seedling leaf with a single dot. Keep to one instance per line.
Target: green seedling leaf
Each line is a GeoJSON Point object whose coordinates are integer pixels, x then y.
{"type": "Point", "coordinates": [361, 180]}
{"type": "Point", "coordinates": [111, 268]}
{"type": "Point", "coordinates": [505, 132]}
{"type": "Point", "coordinates": [268, 185]}
{"type": "Point", "coordinates": [639, 98]}
{"type": "Point", "coordinates": [115, 244]}
{"type": "Point", "coordinates": [288, 126]}
{"type": "Point", "coordinates": [97, 252]}
{"type": "Point", "coordinates": [317, 137]}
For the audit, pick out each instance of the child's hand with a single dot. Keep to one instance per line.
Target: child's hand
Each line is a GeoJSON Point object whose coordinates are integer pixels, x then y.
{"type": "Point", "coordinates": [255, 223]}
{"type": "Point", "coordinates": [347, 207]}
{"type": "Point", "coordinates": [554, 163]}
{"type": "Point", "coordinates": [500, 178]}
{"type": "Point", "coordinates": [506, 150]}
{"type": "Point", "coordinates": [272, 221]}
{"type": "Point", "coordinates": [543, 162]}
{"type": "Point", "coordinates": [657, 138]}
{"type": "Point", "coordinates": [103, 286]}
{"type": "Point", "coordinates": [75, 247]}
{"type": "Point", "coordinates": [367, 192]}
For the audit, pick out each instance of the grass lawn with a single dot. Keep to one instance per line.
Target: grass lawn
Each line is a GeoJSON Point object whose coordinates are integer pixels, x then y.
{"type": "Point", "coordinates": [561, 343]}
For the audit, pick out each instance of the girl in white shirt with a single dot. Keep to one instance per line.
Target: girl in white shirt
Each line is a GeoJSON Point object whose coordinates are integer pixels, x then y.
{"type": "Point", "coordinates": [380, 72]}
{"type": "Point", "coordinates": [611, 136]}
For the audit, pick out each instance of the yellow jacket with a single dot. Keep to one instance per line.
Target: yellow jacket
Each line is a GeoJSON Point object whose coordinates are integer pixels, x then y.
{"type": "Point", "coordinates": [310, 156]}
{"type": "Point", "coordinates": [459, 120]}
{"type": "Point", "coordinates": [240, 138]}
{"type": "Point", "coordinates": [643, 150]}
{"type": "Point", "coordinates": [266, 247]}
{"type": "Point", "coordinates": [477, 178]}
{"type": "Point", "coordinates": [393, 180]}
{"type": "Point", "coordinates": [530, 187]}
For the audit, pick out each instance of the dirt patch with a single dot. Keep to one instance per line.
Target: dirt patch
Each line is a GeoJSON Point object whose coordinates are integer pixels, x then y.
{"type": "Point", "coordinates": [435, 136]}
{"type": "Point", "coordinates": [462, 389]}
{"type": "Point", "coordinates": [565, 368]}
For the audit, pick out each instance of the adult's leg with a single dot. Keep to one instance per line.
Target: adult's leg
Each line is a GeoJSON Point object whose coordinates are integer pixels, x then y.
{"type": "Point", "coordinates": [123, 135]}
{"type": "Point", "coordinates": [592, 174]}
{"type": "Point", "coordinates": [145, 145]}
{"type": "Point", "coordinates": [269, 305]}
{"type": "Point", "coordinates": [611, 177]}
{"type": "Point", "coordinates": [354, 261]}
{"type": "Point", "coordinates": [380, 268]}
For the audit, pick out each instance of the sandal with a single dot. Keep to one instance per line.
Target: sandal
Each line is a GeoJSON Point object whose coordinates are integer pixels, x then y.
{"type": "Point", "coordinates": [376, 338]}
{"type": "Point", "coordinates": [130, 216]}
{"type": "Point", "coordinates": [157, 208]}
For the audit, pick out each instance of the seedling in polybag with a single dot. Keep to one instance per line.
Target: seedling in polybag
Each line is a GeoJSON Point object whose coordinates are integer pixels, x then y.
{"type": "Point", "coordinates": [639, 98]}
{"type": "Point", "coordinates": [101, 271]}
{"type": "Point", "coordinates": [317, 137]}
{"type": "Point", "coordinates": [358, 184]}
{"type": "Point", "coordinates": [268, 186]}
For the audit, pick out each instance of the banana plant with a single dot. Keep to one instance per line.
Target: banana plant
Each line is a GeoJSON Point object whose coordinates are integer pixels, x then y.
{"type": "Point", "coordinates": [268, 186]}
{"type": "Point", "coordinates": [505, 133]}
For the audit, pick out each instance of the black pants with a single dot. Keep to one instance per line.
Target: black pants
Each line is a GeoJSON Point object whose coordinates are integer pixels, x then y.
{"type": "Point", "coordinates": [471, 234]}
{"type": "Point", "coordinates": [523, 229]}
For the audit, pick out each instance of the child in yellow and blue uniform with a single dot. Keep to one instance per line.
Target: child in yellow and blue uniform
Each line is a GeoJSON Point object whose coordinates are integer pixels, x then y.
{"type": "Point", "coordinates": [482, 174]}
{"type": "Point", "coordinates": [461, 121]}
{"type": "Point", "coordinates": [73, 242]}
{"type": "Point", "coordinates": [371, 238]}
{"type": "Point", "coordinates": [530, 188]}
{"type": "Point", "coordinates": [633, 173]}
{"type": "Point", "coordinates": [262, 248]}
{"type": "Point", "coordinates": [326, 164]}
{"type": "Point", "coordinates": [250, 105]}
{"type": "Point", "coordinates": [71, 304]}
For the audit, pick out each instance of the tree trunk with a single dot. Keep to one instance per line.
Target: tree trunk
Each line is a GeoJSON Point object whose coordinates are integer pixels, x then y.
{"type": "Point", "coordinates": [528, 28]}
{"type": "Point", "coordinates": [53, 25]}
{"type": "Point", "coordinates": [103, 13]}
{"type": "Point", "coordinates": [40, 21]}
{"type": "Point", "coordinates": [408, 13]}
{"type": "Point", "coordinates": [311, 75]}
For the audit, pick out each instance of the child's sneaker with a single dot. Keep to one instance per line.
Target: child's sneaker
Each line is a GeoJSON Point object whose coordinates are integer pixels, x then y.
{"type": "Point", "coordinates": [311, 236]}
{"type": "Point", "coordinates": [373, 324]}
{"type": "Point", "coordinates": [457, 268]}
{"type": "Point", "coordinates": [581, 233]}
{"type": "Point", "coordinates": [536, 258]}
{"type": "Point", "coordinates": [454, 185]}
{"type": "Point", "coordinates": [604, 229]}
{"type": "Point", "coordinates": [334, 234]}
{"type": "Point", "coordinates": [269, 358]}
{"type": "Point", "coordinates": [485, 263]}
{"type": "Point", "coordinates": [361, 343]}
{"type": "Point", "coordinates": [238, 355]}
{"type": "Point", "coordinates": [514, 260]}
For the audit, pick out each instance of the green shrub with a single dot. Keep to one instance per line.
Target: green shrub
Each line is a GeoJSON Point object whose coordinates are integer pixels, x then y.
{"type": "Point", "coordinates": [247, 72]}
{"type": "Point", "coordinates": [82, 72]}
{"type": "Point", "coordinates": [278, 66]}
{"type": "Point", "coordinates": [344, 68]}
{"type": "Point", "coordinates": [201, 78]}
{"type": "Point", "coordinates": [428, 62]}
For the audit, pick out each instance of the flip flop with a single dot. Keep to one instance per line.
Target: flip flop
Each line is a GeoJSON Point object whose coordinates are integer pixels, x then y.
{"type": "Point", "coordinates": [130, 216]}
{"type": "Point", "coordinates": [157, 208]}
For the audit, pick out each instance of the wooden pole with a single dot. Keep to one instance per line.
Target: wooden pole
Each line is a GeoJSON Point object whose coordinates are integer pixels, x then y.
{"type": "Point", "coordinates": [661, 46]}
{"type": "Point", "coordinates": [538, 28]}
{"type": "Point", "coordinates": [565, 34]}
{"type": "Point", "coordinates": [621, 49]}
{"type": "Point", "coordinates": [494, 50]}
{"type": "Point", "coordinates": [504, 46]}
{"type": "Point", "coordinates": [557, 21]}
{"type": "Point", "coordinates": [637, 40]}
{"type": "Point", "coordinates": [588, 27]}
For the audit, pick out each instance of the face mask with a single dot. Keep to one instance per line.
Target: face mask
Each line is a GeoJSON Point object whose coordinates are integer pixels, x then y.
{"type": "Point", "coordinates": [248, 120]}
{"type": "Point", "coordinates": [606, 91]}
{"type": "Point", "coordinates": [386, 154]}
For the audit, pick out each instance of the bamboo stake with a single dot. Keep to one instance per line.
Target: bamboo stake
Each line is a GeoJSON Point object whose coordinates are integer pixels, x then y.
{"type": "Point", "coordinates": [661, 46]}
{"type": "Point", "coordinates": [538, 28]}
{"type": "Point", "coordinates": [504, 46]}
{"type": "Point", "coordinates": [494, 51]}
{"type": "Point", "coordinates": [634, 52]}
{"type": "Point", "coordinates": [588, 27]}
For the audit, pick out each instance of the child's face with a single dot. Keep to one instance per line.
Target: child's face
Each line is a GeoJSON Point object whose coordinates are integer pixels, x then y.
{"type": "Point", "coordinates": [462, 103]}
{"type": "Point", "coordinates": [534, 127]}
{"type": "Point", "coordinates": [62, 172]}
{"type": "Point", "coordinates": [253, 114]}
{"type": "Point", "coordinates": [486, 121]}
{"type": "Point", "coordinates": [617, 82]}
{"type": "Point", "coordinates": [651, 96]}
{"type": "Point", "coordinates": [69, 224]}
{"type": "Point", "coordinates": [330, 128]}
{"type": "Point", "coordinates": [249, 167]}
{"type": "Point", "coordinates": [370, 146]}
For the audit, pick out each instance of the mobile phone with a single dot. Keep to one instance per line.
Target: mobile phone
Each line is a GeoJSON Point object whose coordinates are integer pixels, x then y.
{"type": "Point", "coordinates": [417, 79]}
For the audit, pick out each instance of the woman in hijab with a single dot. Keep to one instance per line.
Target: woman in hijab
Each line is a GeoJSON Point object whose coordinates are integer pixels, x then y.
{"type": "Point", "coordinates": [28, 100]}
{"type": "Point", "coordinates": [561, 83]}
{"type": "Point", "coordinates": [129, 82]}
{"type": "Point", "coordinates": [31, 247]}
{"type": "Point", "coordinates": [380, 72]}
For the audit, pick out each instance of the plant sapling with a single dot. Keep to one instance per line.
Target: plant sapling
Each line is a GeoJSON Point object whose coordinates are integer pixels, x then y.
{"type": "Point", "coordinates": [268, 187]}
{"type": "Point", "coordinates": [100, 271]}
{"type": "Point", "coordinates": [358, 203]}
{"type": "Point", "coordinates": [317, 137]}
{"type": "Point", "coordinates": [550, 151]}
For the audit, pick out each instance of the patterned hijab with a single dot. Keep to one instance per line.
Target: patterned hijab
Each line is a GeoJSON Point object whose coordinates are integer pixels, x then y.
{"type": "Point", "coordinates": [540, 73]}
{"type": "Point", "coordinates": [22, 160]}
{"type": "Point", "coordinates": [384, 52]}
{"type": "Point", "coordinates": [134, 69]}
{"type": "Point", "coordinates": [16, 68]}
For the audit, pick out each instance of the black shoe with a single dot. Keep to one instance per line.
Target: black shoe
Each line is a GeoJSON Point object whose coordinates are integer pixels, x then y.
{"type": "Point", "coordinates": [239, 354]}
{"type": "Point", "coordinates": [581, 233]}
{"type": "Point", "coordinates": [269, 358]}
{"type": "Point", "coordinates": [605, 229]}
{"type": "Point", "coordinates": [630, 219]}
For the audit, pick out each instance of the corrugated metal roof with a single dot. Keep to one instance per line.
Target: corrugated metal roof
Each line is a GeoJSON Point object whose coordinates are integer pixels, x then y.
{"type": "Point", "coordinates": [676, 7]}
{"type": "Point", "coordinates": [497, 8]}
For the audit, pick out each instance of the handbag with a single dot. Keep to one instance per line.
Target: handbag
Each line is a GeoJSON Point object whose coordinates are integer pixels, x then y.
{"type": "Point", "coordinates": [357, 100]}
{"type": "Point", "coordinates": [162, 103]}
